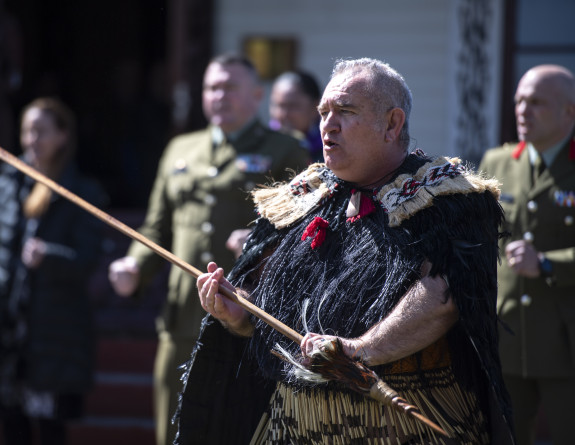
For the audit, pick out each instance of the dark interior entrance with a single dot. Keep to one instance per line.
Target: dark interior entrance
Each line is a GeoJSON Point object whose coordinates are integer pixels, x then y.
{"type": "Point", "coordinates": [111, 62]}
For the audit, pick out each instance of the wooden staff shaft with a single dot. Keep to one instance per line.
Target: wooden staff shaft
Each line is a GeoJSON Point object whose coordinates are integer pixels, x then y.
{"type": "Point", "coordinates": [126, 230]}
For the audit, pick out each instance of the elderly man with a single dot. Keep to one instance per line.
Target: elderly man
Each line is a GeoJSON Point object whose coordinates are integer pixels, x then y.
{"type": "Point", "coordinates": [537, 280]}
{"type": "Point", "coordinates": [391, 253]}
{"type": "Point", "coordinates": [198, 199]}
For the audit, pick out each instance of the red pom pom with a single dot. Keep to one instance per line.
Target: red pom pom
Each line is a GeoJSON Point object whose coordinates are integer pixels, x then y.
{"type": "Point", "coordinates": [317, 230]}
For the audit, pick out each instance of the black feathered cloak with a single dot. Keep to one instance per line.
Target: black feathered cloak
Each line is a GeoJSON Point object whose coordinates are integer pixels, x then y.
{"type": "Point", "coordinates": [433, 210]}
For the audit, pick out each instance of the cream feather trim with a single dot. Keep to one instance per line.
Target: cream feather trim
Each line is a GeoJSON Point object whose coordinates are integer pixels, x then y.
{"type": "Point", "coordinates": [285, 204]}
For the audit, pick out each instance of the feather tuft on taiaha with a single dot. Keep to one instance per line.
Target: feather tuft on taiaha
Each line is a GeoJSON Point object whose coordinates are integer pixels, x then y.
{"type": "Point", "coordinates": [329, 363]}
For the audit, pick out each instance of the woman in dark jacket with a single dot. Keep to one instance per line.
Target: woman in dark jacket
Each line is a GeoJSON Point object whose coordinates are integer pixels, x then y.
{"type": "Point", "coordinates": [48, 247]}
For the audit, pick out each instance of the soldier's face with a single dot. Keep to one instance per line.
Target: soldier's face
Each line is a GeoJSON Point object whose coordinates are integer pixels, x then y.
{"type": "Point", "coordinates": [231, 96]}
{"type": "Point", "coordinates": [540, 111]}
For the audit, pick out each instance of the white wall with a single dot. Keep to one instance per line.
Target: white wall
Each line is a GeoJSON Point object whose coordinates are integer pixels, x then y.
{"type": "Point", "coordinates": [413, 36]}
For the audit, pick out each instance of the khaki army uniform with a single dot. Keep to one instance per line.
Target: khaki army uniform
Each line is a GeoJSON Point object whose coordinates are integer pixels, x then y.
{"type": "Point", "coordinates": [198, 198]}
{"type": "Point", "coordinates": [538, 348]}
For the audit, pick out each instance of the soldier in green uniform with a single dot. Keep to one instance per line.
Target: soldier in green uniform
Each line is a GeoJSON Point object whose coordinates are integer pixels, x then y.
{"type": "Point", "coordinates": [536, 297]}
{"type": "Point", "coordinates": [199, 197]}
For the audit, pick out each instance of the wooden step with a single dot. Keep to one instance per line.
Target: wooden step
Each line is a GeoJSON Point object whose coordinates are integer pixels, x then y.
{"type": "Point", "coordinates": [111, 431]}
{"type": "Point", "coordinates": [121, 395]}
{"type": "Point", "coordinates": [119, 408]}
{"type": "Point", "coordinates": [126, 355]}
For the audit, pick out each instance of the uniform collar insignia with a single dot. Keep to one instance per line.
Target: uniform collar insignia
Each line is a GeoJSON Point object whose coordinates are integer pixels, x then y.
{"type": "Point", "coordinates": [521, 146]}
{"type": "Point", "coordinates": [519, 149]}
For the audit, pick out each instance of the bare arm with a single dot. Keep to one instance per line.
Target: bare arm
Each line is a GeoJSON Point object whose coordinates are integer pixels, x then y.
{"type": "Point", "coordinates": [420, 318]}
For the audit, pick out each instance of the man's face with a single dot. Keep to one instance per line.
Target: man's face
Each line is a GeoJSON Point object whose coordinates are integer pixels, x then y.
{"type": "Point", "coordinates": [231, 96]}
{"type": "Point", "coordinates": [291, 108]}
{"type": "Point", "coordinates": [353, 132]}
{"type": "Point", "coordinates": [540, 111]}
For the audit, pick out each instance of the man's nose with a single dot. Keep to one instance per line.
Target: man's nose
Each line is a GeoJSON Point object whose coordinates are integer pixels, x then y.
{"type": "Point", "coordinates": [329, 123]}
{"type": "Point", "coordinates": [521, 107]}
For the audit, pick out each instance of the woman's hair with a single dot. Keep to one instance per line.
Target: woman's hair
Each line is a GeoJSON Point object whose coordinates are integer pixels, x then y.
{"type": "Point", "coordinates": [304, 81]}
{"type": "Point", "coordinates": [39, 198]}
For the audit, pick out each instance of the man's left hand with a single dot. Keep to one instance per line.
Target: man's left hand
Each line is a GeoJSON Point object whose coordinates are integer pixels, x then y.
{"type": "Point", "coordinates": [522, 258]}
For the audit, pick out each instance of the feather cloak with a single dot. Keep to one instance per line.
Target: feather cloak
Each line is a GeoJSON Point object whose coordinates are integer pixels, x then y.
{"type": "Point", "coordinates": [432, 210]}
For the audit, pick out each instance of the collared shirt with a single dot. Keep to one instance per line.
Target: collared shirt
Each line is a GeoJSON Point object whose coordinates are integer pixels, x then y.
{"type": "Point", "coordinates": [548, 155]}
{"type": "Point", "coordinates": [218, 135]}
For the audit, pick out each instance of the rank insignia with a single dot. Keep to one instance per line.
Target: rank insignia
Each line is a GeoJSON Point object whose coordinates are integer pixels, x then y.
{"type": "Point", "coordinates": [254, 163]}
{"type": "Point", "coordinates": [564, 198]}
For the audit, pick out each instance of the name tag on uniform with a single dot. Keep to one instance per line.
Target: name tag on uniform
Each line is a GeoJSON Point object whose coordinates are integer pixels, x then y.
{"type": "Point", "coordinates": [507, 198]}
{"type": "Point", "coordinates": [564, 198]}
{"type": "Point", "coordinates": [252, 163]}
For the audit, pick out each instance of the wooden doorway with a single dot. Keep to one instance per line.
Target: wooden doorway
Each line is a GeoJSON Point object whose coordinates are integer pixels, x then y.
{"type": "Point", "coordinates": [117, 64]}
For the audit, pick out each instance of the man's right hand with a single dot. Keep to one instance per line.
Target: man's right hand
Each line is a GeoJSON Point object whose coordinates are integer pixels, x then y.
{"type": "Point", "coordinates": [522, 258]}
{"type": "Point", "coordinates": [124, 276]}
{"type": "Point", "coordinates": [232, 316]}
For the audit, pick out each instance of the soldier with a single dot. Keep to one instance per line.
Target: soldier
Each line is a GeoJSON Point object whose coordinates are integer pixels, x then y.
{"type": "Point", "coordinates": [537, 280]}
{"type": "Point", "coordinates": [198, 198]}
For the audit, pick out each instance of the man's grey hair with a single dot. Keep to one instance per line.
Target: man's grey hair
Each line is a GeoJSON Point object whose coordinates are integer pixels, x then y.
{"type": "Point", "coordinates": [228, 59]}
{"type": "Point", "coordinates": [386, 86]}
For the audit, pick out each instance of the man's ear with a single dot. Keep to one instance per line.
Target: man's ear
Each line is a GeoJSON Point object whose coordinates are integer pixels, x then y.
{"type": "Point", "coordinates": [395, 121]}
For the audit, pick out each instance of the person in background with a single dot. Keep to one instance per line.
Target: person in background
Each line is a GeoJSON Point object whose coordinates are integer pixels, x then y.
{"type": "Point", "coordinates": [48, 249]}
{"type": "Point", "coordinates": [536, 298]}
{"type": "Point", "coordinates": [389, 253]}
{"type": "Point", "coordinates": [198, 199]}
{"type": "Point", "coordinates": [293, 105]}
{"type": "Point", "coordinates": [293, 110]}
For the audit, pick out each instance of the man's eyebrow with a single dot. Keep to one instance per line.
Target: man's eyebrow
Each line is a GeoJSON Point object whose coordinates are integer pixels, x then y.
{"type": "Point", "coordinates": [339, 103]}
{"type": "Point", "coordinates": [345, 104]}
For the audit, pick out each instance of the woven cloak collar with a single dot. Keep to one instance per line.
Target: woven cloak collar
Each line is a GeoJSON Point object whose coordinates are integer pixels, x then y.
{"type": "Point", "coordinates": [402, 198]}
